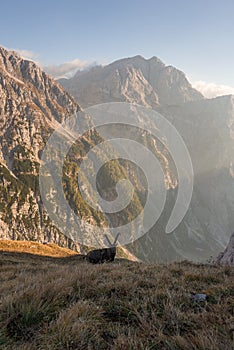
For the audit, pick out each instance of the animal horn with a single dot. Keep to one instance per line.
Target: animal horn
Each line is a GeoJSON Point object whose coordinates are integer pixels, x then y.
{"type": "Point", "coordinates": [116, 238]}
{"type": "Point", "coordinates": [108, 241]}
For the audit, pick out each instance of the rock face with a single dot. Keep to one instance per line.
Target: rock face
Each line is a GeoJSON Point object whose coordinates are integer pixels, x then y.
{"type": "Point", "coordinates": [227, 257]}
{"type": "Point", "coordinates": [137, 80]}
{"type": "Point", "coordinates": [31, 105]}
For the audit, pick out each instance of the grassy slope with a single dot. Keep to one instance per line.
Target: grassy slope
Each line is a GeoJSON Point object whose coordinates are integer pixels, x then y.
{"type": "Point", "coordinates": [65, 303]}
{"type": "Point", "coordinates": [49, 249]}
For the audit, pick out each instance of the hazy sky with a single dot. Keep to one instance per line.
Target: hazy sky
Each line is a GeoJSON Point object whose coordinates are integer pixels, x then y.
{"type": "Point", "coordinates": [196, 36]}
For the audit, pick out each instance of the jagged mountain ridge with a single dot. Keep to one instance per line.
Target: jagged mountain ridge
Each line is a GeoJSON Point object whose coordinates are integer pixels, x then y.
{"type": "Point", "coordinates": [136, 80]}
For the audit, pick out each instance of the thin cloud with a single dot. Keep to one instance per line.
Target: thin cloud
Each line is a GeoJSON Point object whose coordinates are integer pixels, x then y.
{"type": "Point", "coordinates": [67, 69]}
{"type": "Point", "coordinates": [211, 90]}
{"type": "Point", "coordinates": [25, 54]}
{"type": "Point", "coordinates": [64, 70]}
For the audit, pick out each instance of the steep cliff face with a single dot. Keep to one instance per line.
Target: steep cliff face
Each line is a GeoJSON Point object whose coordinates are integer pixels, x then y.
{"type": "Point", "coordinates": [136, 80]}
{"type": "Point", "coordinates": [31, 105]}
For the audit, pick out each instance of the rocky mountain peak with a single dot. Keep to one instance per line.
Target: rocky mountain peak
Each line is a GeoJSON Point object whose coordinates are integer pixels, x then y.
{"type": "Point", "coordinates": [149, 81]}
{"type": "Point", "coordinates": [16, 66]}
{"type": "Point", "coordinates": [138, 61]}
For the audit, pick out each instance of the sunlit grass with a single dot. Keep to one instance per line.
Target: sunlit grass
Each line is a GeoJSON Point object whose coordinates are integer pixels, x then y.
{"type": "Point", "coordinates": [66, 303]}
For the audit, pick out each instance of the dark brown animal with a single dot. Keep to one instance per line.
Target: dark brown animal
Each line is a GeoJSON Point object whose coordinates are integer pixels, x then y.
{"type": "Point", "coordinates": [99, 256]}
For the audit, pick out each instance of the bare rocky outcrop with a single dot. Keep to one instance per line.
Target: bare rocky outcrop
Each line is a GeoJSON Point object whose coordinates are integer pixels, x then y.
{"type": "Point", "coordinates": [227, 257]}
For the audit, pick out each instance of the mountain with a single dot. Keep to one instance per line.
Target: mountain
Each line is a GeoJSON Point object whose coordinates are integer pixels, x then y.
{"type": "Point", "coordinates": [135, 80]}
{"type": "Point", "coordinates": [207, 127]}
{"type": "Point", "coordinates": [33, 105]}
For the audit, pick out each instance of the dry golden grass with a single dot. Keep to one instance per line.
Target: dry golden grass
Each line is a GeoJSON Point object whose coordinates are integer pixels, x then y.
{"type": "Point", "coordinates": [49, 249]}
{"type": "Point", "coordinates": [66, 303]}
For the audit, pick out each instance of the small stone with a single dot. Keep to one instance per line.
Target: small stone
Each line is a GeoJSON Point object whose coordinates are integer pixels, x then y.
{"type": "Point", "coordinates": [200, 297]}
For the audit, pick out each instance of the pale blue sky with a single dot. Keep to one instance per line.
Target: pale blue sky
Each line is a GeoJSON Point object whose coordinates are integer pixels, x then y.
{"type": "Point", "coordinates": [196, 36]}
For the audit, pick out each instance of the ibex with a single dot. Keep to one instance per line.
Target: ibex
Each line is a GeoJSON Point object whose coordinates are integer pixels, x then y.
{"type": "Point", "coordinates": [99, 256]}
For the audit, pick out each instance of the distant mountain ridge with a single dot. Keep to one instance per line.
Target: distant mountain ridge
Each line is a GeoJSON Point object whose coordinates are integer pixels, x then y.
{"type": "Point", "coordinates": [135, 80]}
